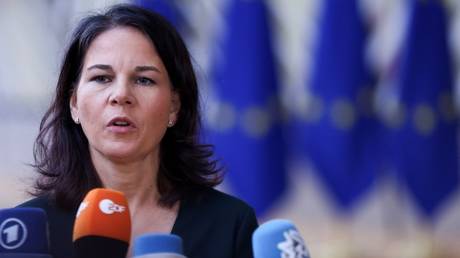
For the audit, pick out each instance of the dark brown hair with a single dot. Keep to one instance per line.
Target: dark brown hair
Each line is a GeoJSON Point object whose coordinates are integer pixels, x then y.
{"type": "Point", "coordinates": [61, 149]}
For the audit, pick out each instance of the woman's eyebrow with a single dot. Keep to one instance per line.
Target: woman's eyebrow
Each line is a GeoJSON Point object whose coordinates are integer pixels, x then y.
{"type": "Point", "coordinates": [100, 66]}
{"type": "Point", "coordinates": [137, 69]}
{"type": "Point", "coordinates": [147, 68]}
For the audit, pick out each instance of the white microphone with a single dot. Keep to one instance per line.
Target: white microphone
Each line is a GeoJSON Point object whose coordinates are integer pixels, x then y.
{"type": "Point", "coordinates": [278, 238]}
{"type": "Point", "coordinates": [158, 246]}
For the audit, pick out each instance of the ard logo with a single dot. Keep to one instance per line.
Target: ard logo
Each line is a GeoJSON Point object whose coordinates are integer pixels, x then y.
{"type": "Point", "coordinates": [13, 233]}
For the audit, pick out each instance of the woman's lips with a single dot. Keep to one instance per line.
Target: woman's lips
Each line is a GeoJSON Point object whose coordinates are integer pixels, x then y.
{"type": "Point", "coordinates": [121, 125]}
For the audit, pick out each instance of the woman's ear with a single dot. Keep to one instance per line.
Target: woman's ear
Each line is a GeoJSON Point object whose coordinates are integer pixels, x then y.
{"type": "Point", "coordinates": [175, 107]}
{"type": "Point", "coordinates": [74, 107]}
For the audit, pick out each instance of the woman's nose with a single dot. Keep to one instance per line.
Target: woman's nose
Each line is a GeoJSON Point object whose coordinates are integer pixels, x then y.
{"type": "Point", "coordinates": [122, 94]}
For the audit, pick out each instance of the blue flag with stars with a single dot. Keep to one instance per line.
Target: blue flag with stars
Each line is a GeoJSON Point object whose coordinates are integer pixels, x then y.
{"type": "Point", "coordinates": [167, 8]}
{"type": "Point", "coordinates": [338, 132]}
{"type": "Point", "coordinates": [427, 149]}
{"type": "Point", "coordinates": [244, 126]}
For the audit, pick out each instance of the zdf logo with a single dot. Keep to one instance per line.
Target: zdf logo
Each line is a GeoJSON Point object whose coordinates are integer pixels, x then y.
{"type": "Point", "coordinates": [13, 233]}
{"type": "Point", "coordinates": [109, 207]}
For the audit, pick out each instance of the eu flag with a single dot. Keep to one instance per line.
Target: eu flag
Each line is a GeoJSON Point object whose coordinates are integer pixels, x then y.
{"type": "Point", "coordinates": [167, 8]}
{"type": "Point", "coordinates": [244, 125]}
{"type": "Point", "coordinates": [338, 132]}
{"type": "Point", "coordinates": [427, 142]}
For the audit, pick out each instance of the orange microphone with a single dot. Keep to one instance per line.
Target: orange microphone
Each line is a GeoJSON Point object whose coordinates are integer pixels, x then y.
{"type": "Point", "coordinates": [102, 225]}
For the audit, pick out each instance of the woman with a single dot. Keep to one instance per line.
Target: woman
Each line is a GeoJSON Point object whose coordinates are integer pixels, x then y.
{"type": "Point", "coordinates": [125, 116]}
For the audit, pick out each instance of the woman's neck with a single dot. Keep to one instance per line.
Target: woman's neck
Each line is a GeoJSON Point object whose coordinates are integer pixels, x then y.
{"type": "Point", "coordinates": [136, 179]}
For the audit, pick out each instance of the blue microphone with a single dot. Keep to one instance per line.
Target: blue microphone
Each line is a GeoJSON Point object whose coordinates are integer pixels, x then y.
{"type": "Point", "coordinates": [24, 233]}
{"type": "Point", "coordinates": [278, 238]}
{"type": "Point", "coordinates": [158, 246]}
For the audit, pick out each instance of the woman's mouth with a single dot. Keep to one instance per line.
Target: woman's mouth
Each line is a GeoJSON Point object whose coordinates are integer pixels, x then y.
{"type": "Point", "coordinates": [121, 125]}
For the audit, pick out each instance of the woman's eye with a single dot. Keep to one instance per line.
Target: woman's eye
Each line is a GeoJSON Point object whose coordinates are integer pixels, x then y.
{"type": "Point", "coordinates": [101, 79]}
{"type": "Point", "coordinates": [144, 81]}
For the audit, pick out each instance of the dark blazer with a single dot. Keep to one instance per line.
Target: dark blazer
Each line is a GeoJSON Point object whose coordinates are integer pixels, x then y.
{"type": "Point", "coordinates": [211, 224]}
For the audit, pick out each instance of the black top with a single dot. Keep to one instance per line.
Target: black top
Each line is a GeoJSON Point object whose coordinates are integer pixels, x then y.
{"type": "Point", "coordinates": [211, 225]}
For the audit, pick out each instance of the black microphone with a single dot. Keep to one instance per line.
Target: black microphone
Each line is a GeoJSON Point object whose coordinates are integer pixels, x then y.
{"type": "Point", "coordinates": [24, 233]}
{"type": "Point", "coordinates": [278, 238]}
{"type": "Point", "coordinates": [102, 225]}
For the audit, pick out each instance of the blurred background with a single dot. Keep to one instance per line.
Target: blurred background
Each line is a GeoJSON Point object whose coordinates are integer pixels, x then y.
{"type": "Point", "coordinates": [340, 115]}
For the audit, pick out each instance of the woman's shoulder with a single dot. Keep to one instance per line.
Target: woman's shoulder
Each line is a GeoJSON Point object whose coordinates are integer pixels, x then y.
{"type": "Point", "coordinates": [49, 206]}
{"type": "Point", "coordinates": [213, 205]}
{"type": "Point", "coordinates": [219, 221]}
{"type": "Point", "coordinates": [211, 198]}
{"type": "Point", "coordinates": [37, 202]}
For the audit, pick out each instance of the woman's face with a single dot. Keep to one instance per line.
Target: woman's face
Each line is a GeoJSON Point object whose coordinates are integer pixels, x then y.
{"type": "Point", "coordinates": [124, 98]}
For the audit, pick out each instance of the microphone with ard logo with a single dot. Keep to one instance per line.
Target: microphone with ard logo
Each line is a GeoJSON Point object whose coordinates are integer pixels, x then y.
{"type": "Point", "coordinates": [102, 225]}
{"type": "Point", "coordinates": [158, 246]}
{"type": "Point", "coordinates": [278, 238]}
{"type": "Point", "coordinates": [24, 233]}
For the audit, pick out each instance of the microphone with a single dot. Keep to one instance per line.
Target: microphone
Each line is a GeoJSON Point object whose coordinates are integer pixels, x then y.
{"type": "Point", "coordinates": [102, 225]}
{"type": "Point", "coordinates": [158, 246]}
{"type": "Point", "coordinates": [24, 233]}
{"type": "Point", "coordinates": [278, 238]}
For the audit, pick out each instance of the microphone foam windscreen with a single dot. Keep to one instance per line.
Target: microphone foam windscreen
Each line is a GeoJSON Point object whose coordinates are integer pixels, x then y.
{"type": "Point", "coordinates": [102, 225]}
{"type": "Point", "coordinates": [158, 245]}
{"type": "Point", "coordinates": [23, 230]}
{"type": "Point", "coordinates": [105, 213]}
{"type": "Point", "coordinates": [278, 238]}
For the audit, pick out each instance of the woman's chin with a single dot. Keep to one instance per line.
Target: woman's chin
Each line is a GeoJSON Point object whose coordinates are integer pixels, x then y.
{"type": "Point", "coordinates": [121, 154]}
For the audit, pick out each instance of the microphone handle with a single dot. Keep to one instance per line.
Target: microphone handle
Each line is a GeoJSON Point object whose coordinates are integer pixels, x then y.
{"type": "Point", "coordinates": [99, 246]}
